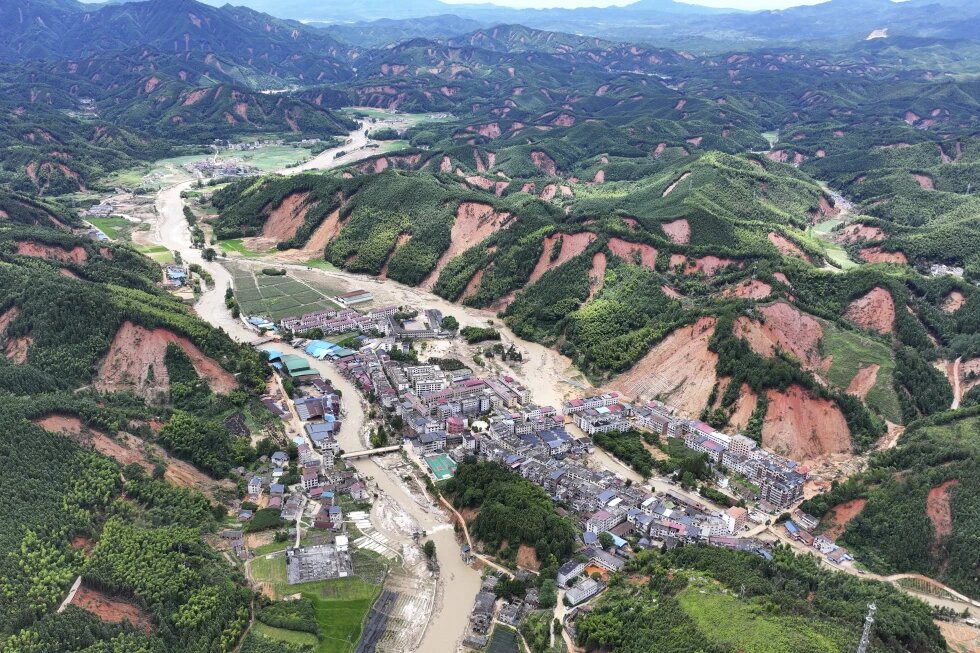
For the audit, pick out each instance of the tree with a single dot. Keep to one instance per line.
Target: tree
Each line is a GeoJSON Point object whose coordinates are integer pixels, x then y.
{"type": "Point", "coordinates": [209, 254]}
{"type": "Point", "coordinates": [449, 323]}
{"type": "Point", "coordinates": [606, 540]}
{"type": "Point", "coordinates": [429, 549]}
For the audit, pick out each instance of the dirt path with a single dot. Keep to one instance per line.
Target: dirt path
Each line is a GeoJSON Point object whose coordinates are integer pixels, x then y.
{"type": "Point", "coordinates": [957, 387]}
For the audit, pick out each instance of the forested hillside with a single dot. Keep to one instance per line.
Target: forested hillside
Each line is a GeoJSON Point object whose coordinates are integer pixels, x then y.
{"type": "Point", "coordinates": [916, 507]}
{"type": "Point", "coordinates": [66, 307]}
{"type": "Point", "coordinates": [701, 598]}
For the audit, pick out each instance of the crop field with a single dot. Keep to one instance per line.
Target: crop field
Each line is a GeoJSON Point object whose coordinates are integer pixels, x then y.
{"type": "Point", "coordinates": [113, 227]}
{"type": "Point", "coordinates": [277, 297]}
{"type": "Point", "coordinates": [503, 640]}
{"type": "Point", "coordinates": [158, 253]}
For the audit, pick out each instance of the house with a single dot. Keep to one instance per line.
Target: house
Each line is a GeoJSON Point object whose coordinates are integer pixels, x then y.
{"type": "Point", "coordinates": [571, 569]}
{"type": "Point", "coordinates": [255, 486]}
{"type": "Point", "coordinates": [584, 591]}
{"type": "Point", "coordinates": [604, 520]}
{"type": "Point", "coordinates": [359, 492]}
{"type": "Point", "coordinates": [432, 442]}
{"type": "Point", "coordinates": [280, 459]}
{"type": "Point", "coordinates": [354, 297]}
{"type": "Point", "coordinates": [736, 519]}
{"type": "Point", "coordinates": [244, 515]}
{"type": "Point", "coordinates": [310, 479]}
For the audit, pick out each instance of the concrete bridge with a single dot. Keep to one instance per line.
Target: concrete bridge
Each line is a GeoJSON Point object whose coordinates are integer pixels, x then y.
{"type": "Point", "coordinates": [366, 453]}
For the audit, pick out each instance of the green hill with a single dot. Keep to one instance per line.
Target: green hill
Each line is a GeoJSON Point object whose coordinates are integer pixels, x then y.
{"type": "Point", "coordinates": [701, 598]}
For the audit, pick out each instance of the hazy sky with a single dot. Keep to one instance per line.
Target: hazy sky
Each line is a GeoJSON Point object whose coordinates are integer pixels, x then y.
{"type": "Point", "coordinates": [568, 4]}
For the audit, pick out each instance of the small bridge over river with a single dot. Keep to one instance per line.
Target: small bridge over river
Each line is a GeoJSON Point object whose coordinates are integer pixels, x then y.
{"type": "Point", "coordinates": [366, 453]}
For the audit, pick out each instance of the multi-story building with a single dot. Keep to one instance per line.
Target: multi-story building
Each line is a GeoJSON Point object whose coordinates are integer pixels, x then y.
{"type": "Point", "coordinates": [598, 401]}
{"type": "Point", "coordinates": [613, 417]}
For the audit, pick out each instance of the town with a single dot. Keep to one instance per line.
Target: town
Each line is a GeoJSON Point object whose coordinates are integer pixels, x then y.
{"type": "Point", "coordinates": [444, 412]}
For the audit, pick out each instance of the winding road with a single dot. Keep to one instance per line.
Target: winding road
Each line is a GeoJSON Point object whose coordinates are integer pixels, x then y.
{"type": "Point", "coordinates": [458, 582]}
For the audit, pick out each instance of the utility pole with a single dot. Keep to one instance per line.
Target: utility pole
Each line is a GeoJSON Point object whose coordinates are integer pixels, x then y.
{"type": "Point", "coordinates": [869, 622]}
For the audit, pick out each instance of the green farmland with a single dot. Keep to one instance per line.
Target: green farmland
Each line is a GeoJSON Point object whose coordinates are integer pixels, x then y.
{"type": "Point", "coordinates": [277, 297]}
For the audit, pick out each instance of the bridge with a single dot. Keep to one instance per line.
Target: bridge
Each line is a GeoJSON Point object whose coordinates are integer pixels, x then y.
{"type": "Point", "coordinates": [366, 453]}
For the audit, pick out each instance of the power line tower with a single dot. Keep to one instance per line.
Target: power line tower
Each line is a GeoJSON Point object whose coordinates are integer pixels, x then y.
{"type": "Point", "coordinates": [869, 622]}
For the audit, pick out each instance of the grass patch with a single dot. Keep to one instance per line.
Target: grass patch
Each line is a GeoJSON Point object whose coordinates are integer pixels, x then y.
{"type": "Point", "coordinates": [236, 246]}
{"type": "Point", "coordinates": [751, 628]}
{"type": "Point", "coordinates": [283, 635]}
{"type": "Point", "coordinates": [341, 604]}
{"type": "Point", "coordinates": [158, 253]}
{"type": "Point", "coordinates": [113, 227]}
{"type": "Point", "coordinates": [320, 264]}
{"type": "Point", "coordinates": [851, 351]}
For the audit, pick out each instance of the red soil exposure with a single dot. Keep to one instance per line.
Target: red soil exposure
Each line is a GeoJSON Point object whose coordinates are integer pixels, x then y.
{"type": "Point", "coordinates": [600, 177]}
{"type": "Point", "coordinates": [321, 237]}
{"type": "Point", "coordinates": [528, 187]}
{"type": "Point", "coordinates": [707, 265]}
{"type": "Point", "coordinates": [472, 285]}
{"type": "Point", "coordinates": [527, 557]}
{"type": "Point", "coordinates": [696, 141]}
{"type": "Point", "coordinates": [76, 255]}
{"type": "Point", "coordinates": [110, 609]}
{"type": "Point", "coordinates": [749, 289]}
{"type": "Point", "coordinates": [939, 511]}
{"type": "Point", "coordinates": [194, 97]}
{"type": "Point", "coordinates": [564, 120]}
{"type": "Point", "coordinates": [630, 252]}
{"type": "Point", "coordinates": [855, 232]}
{"type": "Point", "coordinates": [660, 150]}
{"type": "Point", "coordinates": [548, 192]}
{"type": "Point", "coordinates": [785, 246]}
{"type": "Point", "coordinates": [7, 317]}
{"type": "Point", "coordinates": [924, 181]}
{"type": "Point", "coordinates": [286, 219]}
{"type": "Point", "coordinates": [135, 349]}
{"type": "Point", "coordinates": [778, 155]}
{"type": "Point", "coordinates": [402, 239]}
{"type": "Point", "coordinates": [827, 209]}
{"type": "Point", "coordinates": [571, 246]}
{"type": "Point", "coordinates": [874, 311]}
{"type": "Point", "coordinates": [475, 222]}
{"type": "Point", "coordinates": [680, 369]}
{"type": "Point", "coordinates": [597, 274]}
{"type": "Point", "coordinates": [864, 380]}
{"type": "Point", "coordinates": [954, 302]}
{"type": "Point", "coordinates": [678, 231]}
{"type": "Point", "coordinates": [124, 450]}
{"type": "Point", "coordinates": [782, 278]}
{"type": "Point", "coordinates": [785, 328]}
{"type": "Point", "coordinates": [969, 374]}
{"type": "Point", "coordinates": [875, 255]}
{"type": "Point", "coordinates": [670, 292]}
{"type": "Point", "coordinates": [491, 130]}
{"type": "Point", "coordinates": [803, 427]}
{"type": "Point", "coordinates": [446, 165]}
{"type": "Point", "coordinates": [840, 516]}
{"type": "Point", "coordinates": [674, 185]}
{"type": "Point", "coordinates": [544, 163]}
{"type": "Point", "coordinates": [16, 349]}
{"type": "Point", "coordinates": [744, 406]}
